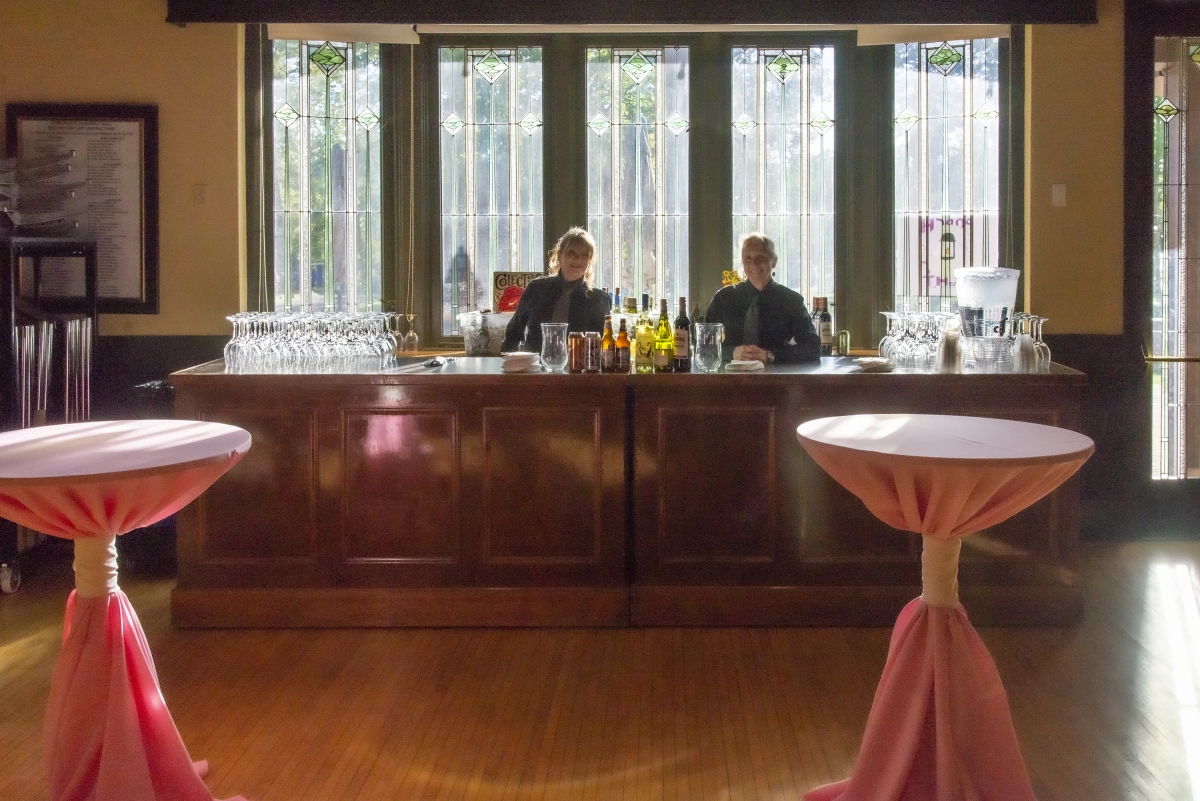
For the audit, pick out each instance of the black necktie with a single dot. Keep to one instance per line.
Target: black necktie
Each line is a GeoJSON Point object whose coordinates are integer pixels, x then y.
{"type": "Point", "coordinates": [750, 326]}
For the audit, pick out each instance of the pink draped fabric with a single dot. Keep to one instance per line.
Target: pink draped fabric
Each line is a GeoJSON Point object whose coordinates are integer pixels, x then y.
{"type": "Point", "coordinates": [108, 735]}
{"type": "Point", "coordinates": [939, 727]}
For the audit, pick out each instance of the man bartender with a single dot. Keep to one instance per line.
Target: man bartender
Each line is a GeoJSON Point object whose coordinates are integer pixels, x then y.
{"type": "Point", "coordinates": [764, 321]}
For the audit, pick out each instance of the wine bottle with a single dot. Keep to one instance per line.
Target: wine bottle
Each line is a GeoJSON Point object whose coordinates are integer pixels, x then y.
{"type": "Point", "coordinates": [644, 358]}
{"type": "Point", "coordinates": [824, 323]}
{"type": "Point", "coordinates": [608, 348]}
{"type": "Point", "coordinates": [683, 340]}
{"type": "Point", "coordinates": [622, 350]}
{"type": "Point", "coordinates": [664, 340]}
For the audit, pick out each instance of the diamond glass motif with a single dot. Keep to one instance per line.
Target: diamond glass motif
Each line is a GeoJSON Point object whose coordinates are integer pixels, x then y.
{"type": "Point", "coordinates": [676, 124]}
{"type": "Point", "coordinates": [328, 58]}
{"type": "Point", "coordinates": [453, 124]}
{"type": "Point", "coordinates": [986, 114]}
{"type": "Point", "coordinates": [287, 115]}
{"type": "Point", "coordinates": [945, 58]}
{"type": "Point", "coordinates": [821, 123]}
{"type": "Point", "coordinates": [1166, 110]}
{"type": "Point", "coordinates": [368, 119]}
{"type": "Point", "coordinates": [599, 124]}
{"type": "Point", "coordinates": [530, 123]}
{"type": "Point", "coordinates": [491, 66]}
{"type": "Point", "coordinates": [1194, 54]}
{"type": "Point", "coordinates": [744, 124]}
{"type": "Point", "coordinates": [637, 67]}
{"type": "Point", "coordinates": [907, 119]}
{"type": "Point", "coordinates": [783, 67]}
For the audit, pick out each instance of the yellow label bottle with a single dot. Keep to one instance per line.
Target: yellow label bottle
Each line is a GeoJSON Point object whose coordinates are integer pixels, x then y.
{"type": "Point", "coordinates": [643, 360]}
{"type": "Point", "coordinates": [664, 341]}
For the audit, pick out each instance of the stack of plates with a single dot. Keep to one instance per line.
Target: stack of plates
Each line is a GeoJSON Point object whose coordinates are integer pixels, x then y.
{"type": "Point", "coordinates": [743, 366]}
{"type": "Point", "coordinates": [521, 363]}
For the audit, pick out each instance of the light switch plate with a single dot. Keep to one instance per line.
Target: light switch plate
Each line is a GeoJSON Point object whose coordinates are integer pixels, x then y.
{"type": "Point", "coordinates": [1058, 194]}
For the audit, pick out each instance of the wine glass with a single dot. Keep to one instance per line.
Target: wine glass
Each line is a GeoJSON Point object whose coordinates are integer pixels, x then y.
{"type": "Point", "coordinates": [411, 342]}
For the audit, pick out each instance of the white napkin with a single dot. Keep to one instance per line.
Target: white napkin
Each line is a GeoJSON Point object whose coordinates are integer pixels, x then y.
{"type": "Point", "coordinates": [743, 366]}
{"type": "Point", "coordinates": [521, 363]}
{"type": "Point", "coordinates": [872, 364]}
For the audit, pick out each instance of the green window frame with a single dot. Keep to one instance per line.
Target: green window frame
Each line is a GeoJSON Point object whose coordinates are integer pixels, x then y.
{"type": "Point", "coordinates": [863, 202]}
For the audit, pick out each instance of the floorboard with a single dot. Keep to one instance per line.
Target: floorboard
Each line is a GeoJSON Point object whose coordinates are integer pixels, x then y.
{"type": "Point", "coordinates": [1106, 711]}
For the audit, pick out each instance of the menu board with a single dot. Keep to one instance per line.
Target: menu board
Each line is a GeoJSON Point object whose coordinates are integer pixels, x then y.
{"type": "Point", "coordinates": [115, 178]}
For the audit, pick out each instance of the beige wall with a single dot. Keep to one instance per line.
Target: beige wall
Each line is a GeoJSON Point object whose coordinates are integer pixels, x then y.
{"type": "Point", "coordinates": [1074, 136]}
{"type": "Point", "coordinates": [122, 51]}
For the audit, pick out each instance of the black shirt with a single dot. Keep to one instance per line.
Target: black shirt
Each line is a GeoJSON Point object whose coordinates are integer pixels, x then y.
{"type": "Point", "coordinates": [586, 312]}
{"type": "Point", "coordinates": [784, 326]}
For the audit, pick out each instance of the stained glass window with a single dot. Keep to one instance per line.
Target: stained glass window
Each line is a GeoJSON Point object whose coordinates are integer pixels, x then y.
{"type": "Point", "coordinates": [1176, 271]}
{"type": "Point", "coordinates": [637, 168]}
{"type": "Point", "coordinates": [490, 136]}
{"type": "Point", "coordinates": [783, 160]}
{"type": "Point", "coordinates": [326, 175]}
{"type": "Point", "coordinates": [947, 165]}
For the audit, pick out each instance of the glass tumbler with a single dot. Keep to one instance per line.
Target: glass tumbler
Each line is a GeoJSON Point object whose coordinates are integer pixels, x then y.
{"type": "Point", "coordinates": [554, 346]}
{"type": "Point", "coordinates": [707, 356]}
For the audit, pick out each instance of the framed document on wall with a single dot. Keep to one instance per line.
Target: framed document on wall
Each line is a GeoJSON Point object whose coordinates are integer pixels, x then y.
{"type": "Point", "coordinates": [114, 163]}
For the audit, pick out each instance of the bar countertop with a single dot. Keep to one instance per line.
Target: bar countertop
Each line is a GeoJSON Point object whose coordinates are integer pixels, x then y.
{"type": "Point", "coordinates": [487, 368]}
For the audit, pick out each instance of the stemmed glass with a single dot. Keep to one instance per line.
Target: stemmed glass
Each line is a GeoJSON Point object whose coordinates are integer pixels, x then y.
{"type": "Point", "coordinates": [1039, 345]}
{"type": "Point", "coordinates": [411, 342]}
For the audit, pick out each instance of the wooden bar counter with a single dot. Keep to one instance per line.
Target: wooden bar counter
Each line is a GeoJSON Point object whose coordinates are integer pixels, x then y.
{"type": "Point", "coordinates": [460, 496]}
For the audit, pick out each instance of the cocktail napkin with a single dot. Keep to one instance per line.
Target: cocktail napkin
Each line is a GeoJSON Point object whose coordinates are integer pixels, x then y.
{"type": "Point", "coordinates": [743, 366]}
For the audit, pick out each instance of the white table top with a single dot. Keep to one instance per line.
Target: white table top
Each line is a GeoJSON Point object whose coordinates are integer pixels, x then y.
{"type": "Point", "coordinates": [79, 450]}
{"type": "Point", "coordinates": [935, 436]}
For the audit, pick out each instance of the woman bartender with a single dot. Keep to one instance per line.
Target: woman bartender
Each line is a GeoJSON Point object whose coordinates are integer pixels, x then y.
{"type": "Point", "coordinates": [564, 296]}
{"type": "Point", "coordinates": [763, 320]}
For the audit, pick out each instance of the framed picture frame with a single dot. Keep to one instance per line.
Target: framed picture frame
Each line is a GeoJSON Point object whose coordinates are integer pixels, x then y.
{"type": "Point", "coordinates": [115, 160]}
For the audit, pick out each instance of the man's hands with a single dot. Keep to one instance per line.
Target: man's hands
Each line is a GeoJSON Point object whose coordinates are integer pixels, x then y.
{"type": "Point", "coordinates": [752, 353]}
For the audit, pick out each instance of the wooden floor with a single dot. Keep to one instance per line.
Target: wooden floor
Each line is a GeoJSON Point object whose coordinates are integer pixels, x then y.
{"type": "Point", "coordinates": [1105, 710]}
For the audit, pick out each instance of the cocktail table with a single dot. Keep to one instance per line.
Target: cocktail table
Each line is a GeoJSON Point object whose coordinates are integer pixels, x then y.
{"type": "Point", "coordinates": [939, 727]}
{"type": "Point", "coordinates": [108, 735]}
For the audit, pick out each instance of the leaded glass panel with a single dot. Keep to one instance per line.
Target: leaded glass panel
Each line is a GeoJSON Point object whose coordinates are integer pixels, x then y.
{"type": "Point", "coordinates": [946, 123]}
{"type": "Point", "coordinates": [1175, 278]}
{"type": "Point", "coordinates": [637, 114]}
{"type": "Point", "coordinates": [326, 177]}
{"type": "Point", "coordinates": [783, 160]}
{"type": "Point", "coordinates": [490, 136]}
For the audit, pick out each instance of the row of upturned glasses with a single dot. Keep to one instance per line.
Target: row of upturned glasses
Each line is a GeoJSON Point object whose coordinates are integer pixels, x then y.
{"type": "Point", "coordinates": [912, 337]}
{"type": "Point", "coordinates": [310, 341]}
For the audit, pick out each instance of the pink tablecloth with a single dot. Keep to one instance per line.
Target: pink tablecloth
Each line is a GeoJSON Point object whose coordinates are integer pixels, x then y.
{"type": "Point", "coordinates": [108, 735]}
{"type": "Point", "coordinates": [939, 727]}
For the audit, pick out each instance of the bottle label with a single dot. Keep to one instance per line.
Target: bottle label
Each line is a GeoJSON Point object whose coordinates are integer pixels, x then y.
{"type": "Point", "coordinates": [622, 363]}
{"type": "Point", "coordinates": [682, 343]}
{"type": "Point", "coordinates": [826, 333]}
{"type": "Point", "coordinates": [662, 357]}
{"type": "Point", "coordinates": [608, 359]}
{"type": "Point", "coordinates": [645, 347]}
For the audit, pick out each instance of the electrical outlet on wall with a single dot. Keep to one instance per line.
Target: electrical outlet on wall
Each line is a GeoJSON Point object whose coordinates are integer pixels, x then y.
{"type": "Point", "coordinates": [1058, 194]}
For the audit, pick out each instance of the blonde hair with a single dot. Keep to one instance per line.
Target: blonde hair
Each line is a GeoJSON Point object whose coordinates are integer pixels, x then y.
{"type": "Point", "coordinates": [575, 236]}
{"type": "Point", "coordinates": [762, 239]}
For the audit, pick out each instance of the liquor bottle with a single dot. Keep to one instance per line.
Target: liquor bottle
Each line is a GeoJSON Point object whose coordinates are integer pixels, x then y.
{"type": "Point", "coordinates": [616, 304]}
{"type": "Point", "coordinates": [683, 340]}
{"type": "Point", "coordinates": [644, 358]}
{"type": "Point", "coordinates": [664, 340]}
{"type": "Point", "coordinates": [622, 350]}
{"type": "Point", "coordinates": [824, 323]}
{"type": "Point", "coordinates": [608, 348]}
{"type": "Point", "coordinates": [631, 306]}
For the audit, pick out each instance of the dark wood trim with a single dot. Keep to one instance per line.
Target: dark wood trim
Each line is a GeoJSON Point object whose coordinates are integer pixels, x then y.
{"type": "Point", "coordinates": [646, 12]}
{"type": "Point", "coordinates": [260, 248]}
{"type": "Point", "coordinates": [434, 606]}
